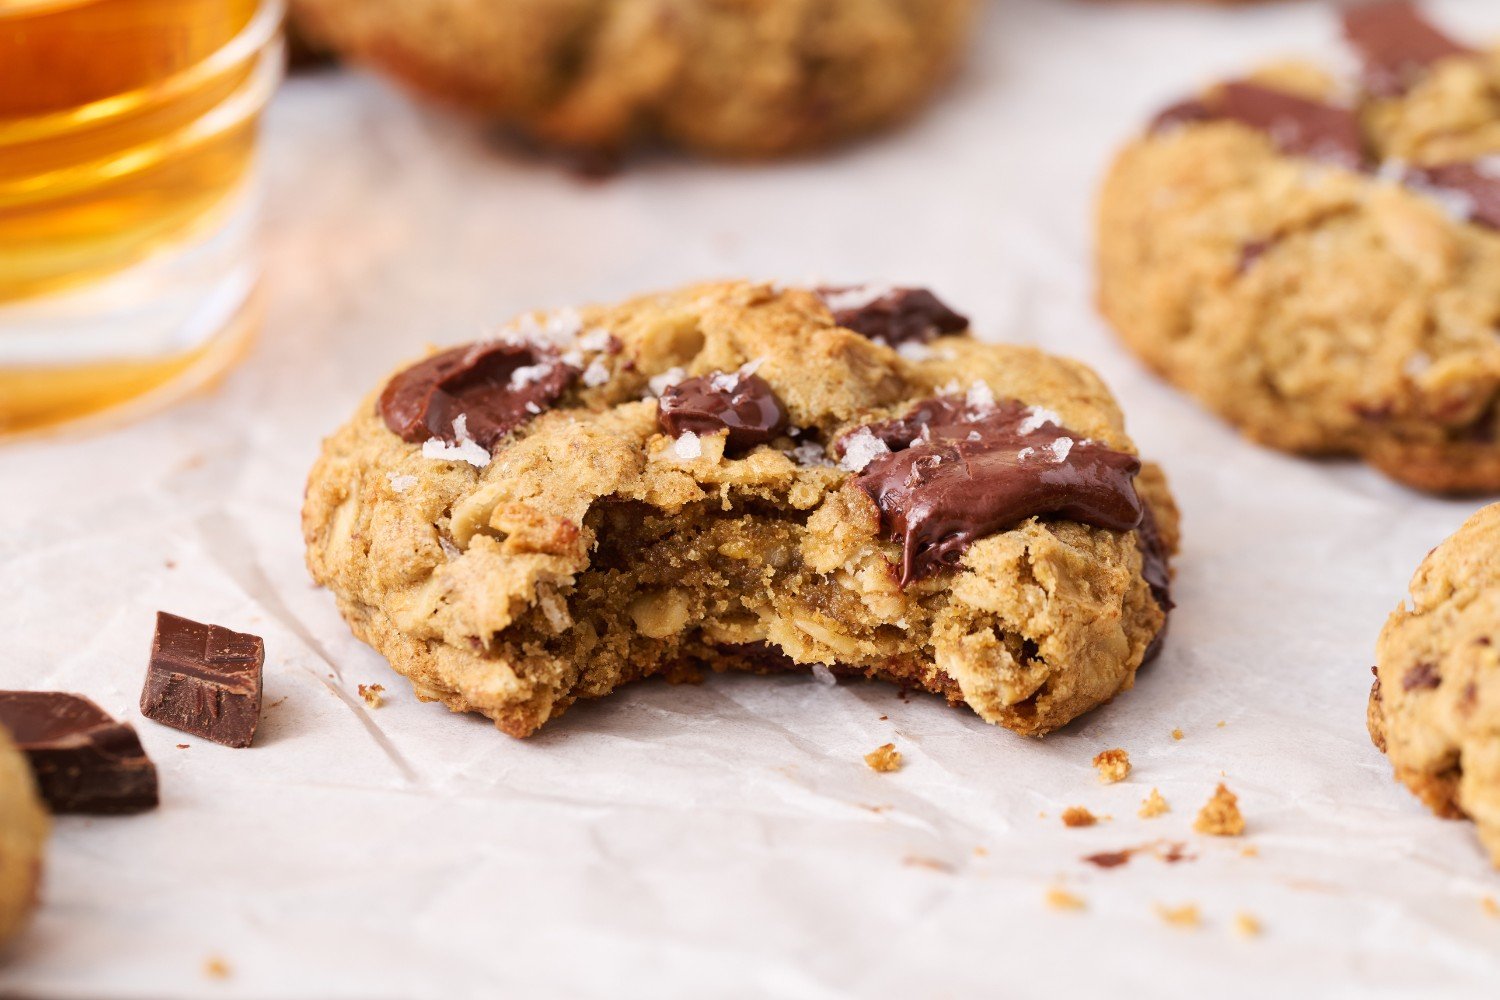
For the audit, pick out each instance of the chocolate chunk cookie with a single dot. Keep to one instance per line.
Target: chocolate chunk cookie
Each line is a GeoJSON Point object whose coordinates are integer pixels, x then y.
{"type": "Point", "coordinates": [23, 834]}
{"type": "Point", "coordinates": [1318, 259]}
{"type": "Point", "coordinates": [739, 79]}
{"type": "Point", "coordinates": [743, 477]}
{"type": "Point", "coordinates": [1435, 705]}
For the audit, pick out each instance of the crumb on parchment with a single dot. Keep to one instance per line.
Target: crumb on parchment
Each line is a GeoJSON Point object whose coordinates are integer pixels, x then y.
{"type": "Point", "coordinates": [1113, 765]}
{"type": "Point", "coordinates": [1489, 906]}
{"type": "Point", "coordinates": [1249, 851]}
{"type": "Point", "coordinates": [1185, 916]}
{"type": "Point", "coordinates": [884, 758]}
{"type": "Point", "coordinates": [1078, 816]}
{"type": "Point", "coordinates": [1246, 924]}
{"type": "Point", "coordinates": [1177, 734]}
{"type": "Point", "coordinates": [372, 694]}
{"type": "Point", "coordinates": [1220, 815]}
{"type": "Point", "coordinates": [1061, 899]}
{"type": "Point", "coordinates": [1153, 805]}
{"type": "Point", "coordinates": [215, 967]}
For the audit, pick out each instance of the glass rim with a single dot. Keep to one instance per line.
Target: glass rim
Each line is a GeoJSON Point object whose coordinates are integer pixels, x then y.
{"type": "Point", "coordinates": [257, 35]}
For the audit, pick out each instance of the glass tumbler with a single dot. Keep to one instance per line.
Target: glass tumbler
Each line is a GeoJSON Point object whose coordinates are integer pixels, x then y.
{"type": "Point", "coordinates": [128, 199]}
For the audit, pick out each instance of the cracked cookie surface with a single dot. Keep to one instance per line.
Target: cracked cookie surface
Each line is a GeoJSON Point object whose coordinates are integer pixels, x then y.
{"type": "Point", "coordinates": [1319, 261]}
{"type": "Point", "coordinates": [732, 77]}
{"type": "Point", "coordinates": [1435, 705]}
{"type": "Point", "coordinates": [23, 835]}
{"type": "Point", "coordinates": [585, 546]}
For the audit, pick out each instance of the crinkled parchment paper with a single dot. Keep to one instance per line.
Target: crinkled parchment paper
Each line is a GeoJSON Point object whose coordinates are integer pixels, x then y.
{"type": "Point", "coordinates": [727, 839]}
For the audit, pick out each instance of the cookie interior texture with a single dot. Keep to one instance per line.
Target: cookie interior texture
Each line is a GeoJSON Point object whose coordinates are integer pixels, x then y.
{"type": "Point", "coordinates": [593, 549]}
{"type": "Point", "coordinates": [1322, 309]}
{"type": "Point", "coordinates": [1435, 704]}
{"type": "Point", "coordinates": [23, 833]}
{"type": "Point", "coordinates": [732, 77]}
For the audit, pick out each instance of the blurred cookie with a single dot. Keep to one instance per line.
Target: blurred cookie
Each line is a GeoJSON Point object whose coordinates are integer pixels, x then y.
{"type": "Point", "coordinates": [1318, 259]}
{"type": "Point", "coordinates": [1435, 705]}
{"type": "Point", "coordinates": [23, 834]}
{"type": "Point", "coordinates": [732, 77]}
{"type": "Point", "coordinates": [742, 477]}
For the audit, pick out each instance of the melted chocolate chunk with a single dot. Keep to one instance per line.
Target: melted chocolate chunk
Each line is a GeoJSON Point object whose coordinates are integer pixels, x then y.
{"type": "Point", "coordinates": [893, 317]}
{"type": "Point", "coordinates": [204, 680]}
{"type": "Point", "coordinates": [956, 474]}
{"type": "Point", "coordinates": [1477, 183]}
{"type": "Point", "coordinates": [744, 405]}
{"type": "Point", "coordinates": [1252, 252]}
{"type": "Point", "coordinates": [1297, 125]}
{"type": "Point", "coordinates": [1423, 676]}
{"type": "Point", "coordinates": [84, 761]}
{"type": "Point", "coordinates": [496, 385]}
{"type": "Point", "coordinates": [1396, 43]}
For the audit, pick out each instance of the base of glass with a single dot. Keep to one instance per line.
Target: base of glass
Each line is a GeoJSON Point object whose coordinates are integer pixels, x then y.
{"type": "Point", "coordinates": [136, 340]}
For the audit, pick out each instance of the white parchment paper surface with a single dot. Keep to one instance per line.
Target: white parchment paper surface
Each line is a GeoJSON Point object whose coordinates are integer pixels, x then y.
{"type": "Point", "coordinates": [727, 839]}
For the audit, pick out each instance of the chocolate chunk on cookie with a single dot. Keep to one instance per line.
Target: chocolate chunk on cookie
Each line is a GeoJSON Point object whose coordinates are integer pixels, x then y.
{"type": "Point", "coordinates": [956, 470]}
{"type": "Point", "coordinates": [892, 316]}
{"type": "Point", "coordinates": [1435, 704]}
{"type": "Point", "coordinates": [1396, 44]}
{"type": "Point", "coordinates": [1323, 269]}
{"type": "Point", "coordinates": [750, 483]}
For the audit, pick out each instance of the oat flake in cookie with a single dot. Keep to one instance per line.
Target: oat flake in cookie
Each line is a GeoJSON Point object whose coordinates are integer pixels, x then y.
{"type": "Point", "coordinates": [1318, 258]}
{"type": "Point", "coordinates": [751, 482]}
{"type": "Point", "coordinates": [1435, 704]}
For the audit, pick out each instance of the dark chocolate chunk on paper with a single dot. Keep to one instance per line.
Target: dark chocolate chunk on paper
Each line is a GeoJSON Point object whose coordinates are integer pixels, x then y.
{"type": "Point", "coordinates": [204, 680]}
{"type": "Point", "coordinates": [84, 761]}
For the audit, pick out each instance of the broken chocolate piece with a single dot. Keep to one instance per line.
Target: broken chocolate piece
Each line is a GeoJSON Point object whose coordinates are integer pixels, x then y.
{"type": "Point", "coordinates": [956, 473]}
{"type": "Point", "coordinates": [892, 316]}
{"type": "Point", "coordinates": [743, 404]}
{"type": "Point", "coordinates": [496, 385]}
{"type": "Point", "coordinates": [1474, 188]}
{"type": "Point", "coordinates": [1297, 125]}
{"type": "Point", "coordinates": [84, 761]}
{"type": "Point", "coordinates": [204, 680]}
{"type": "Point", "coordinates": [1396, 44]}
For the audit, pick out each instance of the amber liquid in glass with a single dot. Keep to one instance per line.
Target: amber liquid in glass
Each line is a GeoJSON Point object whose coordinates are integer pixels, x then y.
{"type": "Point", "coordinates": [127, 131]}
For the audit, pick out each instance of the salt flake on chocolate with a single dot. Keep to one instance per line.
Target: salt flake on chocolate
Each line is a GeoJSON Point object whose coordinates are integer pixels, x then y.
{"type": "Point", "coordinates": [980, 397]}
{"type": "Point", "coordinates": [857, 297]}
{"type": "Point", "coordinates": [1036, 418]}
{"type": "Point", "coordinates": [688, 447]}
{"type": "Point", "coordinates": [659, 384]}
{"type": "Point", "coordinates": [860, 449]}
{"type": "Point", "coordinates": [465, 450]}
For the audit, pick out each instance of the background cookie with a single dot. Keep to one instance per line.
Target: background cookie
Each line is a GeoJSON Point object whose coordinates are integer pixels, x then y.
{"type": "Point", "coordinates": [612, 536]}
{"type": "Point", "coordinates": [732, 77]}
{"type": "Point", "coordinates": [1324, 270]}
{"type": "Point", "coordinates": [1435, 704]}
{"type": "Point", "coordinates": [23, 832]}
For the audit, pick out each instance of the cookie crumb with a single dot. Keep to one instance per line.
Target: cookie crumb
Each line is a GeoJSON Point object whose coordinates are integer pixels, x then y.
{"type": "Point", "coordinates": [371, 693]}
{"type": "Point", "coordinates": [933, 864]}
{"type": "Point", "coordinates": [1489, 906]}
{"type": "Point", "coordinates": [1113, 765]}
{"type": "Point", "coordinates": [1220, 815]}
{"type": "Point", "coordinates": [1185, 916]}
{"type": "Point", "coordinates": [1153, 805]}
{"type": "Point", "coordinates": [1177, 734]}
{"type": "Point", "coordinates": [1221, 724]}
{"type": "Point", "coordinates": [1061, 899]}
{"type": "Point", "coordinates": [981, 852]}
{"type": "Point", "coordinates": [884, 758]}
{"type": "Point", "coordinates": [1249, 851]}
{"type": "Point", "coordinates": [1078, 816]}
{"type": "Point", "coordinates": [1245, 924]}
{"type": "Point", "coordinates": [215, 967]}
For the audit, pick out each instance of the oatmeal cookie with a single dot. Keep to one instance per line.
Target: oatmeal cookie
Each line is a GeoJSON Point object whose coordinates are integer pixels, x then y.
{"type": "Point", "coordinates": [23, 833]}
{"type": "Point", "coordinates": [1318, 259]}
{"type": "Point", "coordinates": [1435, 704]}
{"type": "Point", "coordinates": [746, 477]}
{"type": "Point", "coordinates": [732, 77]}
